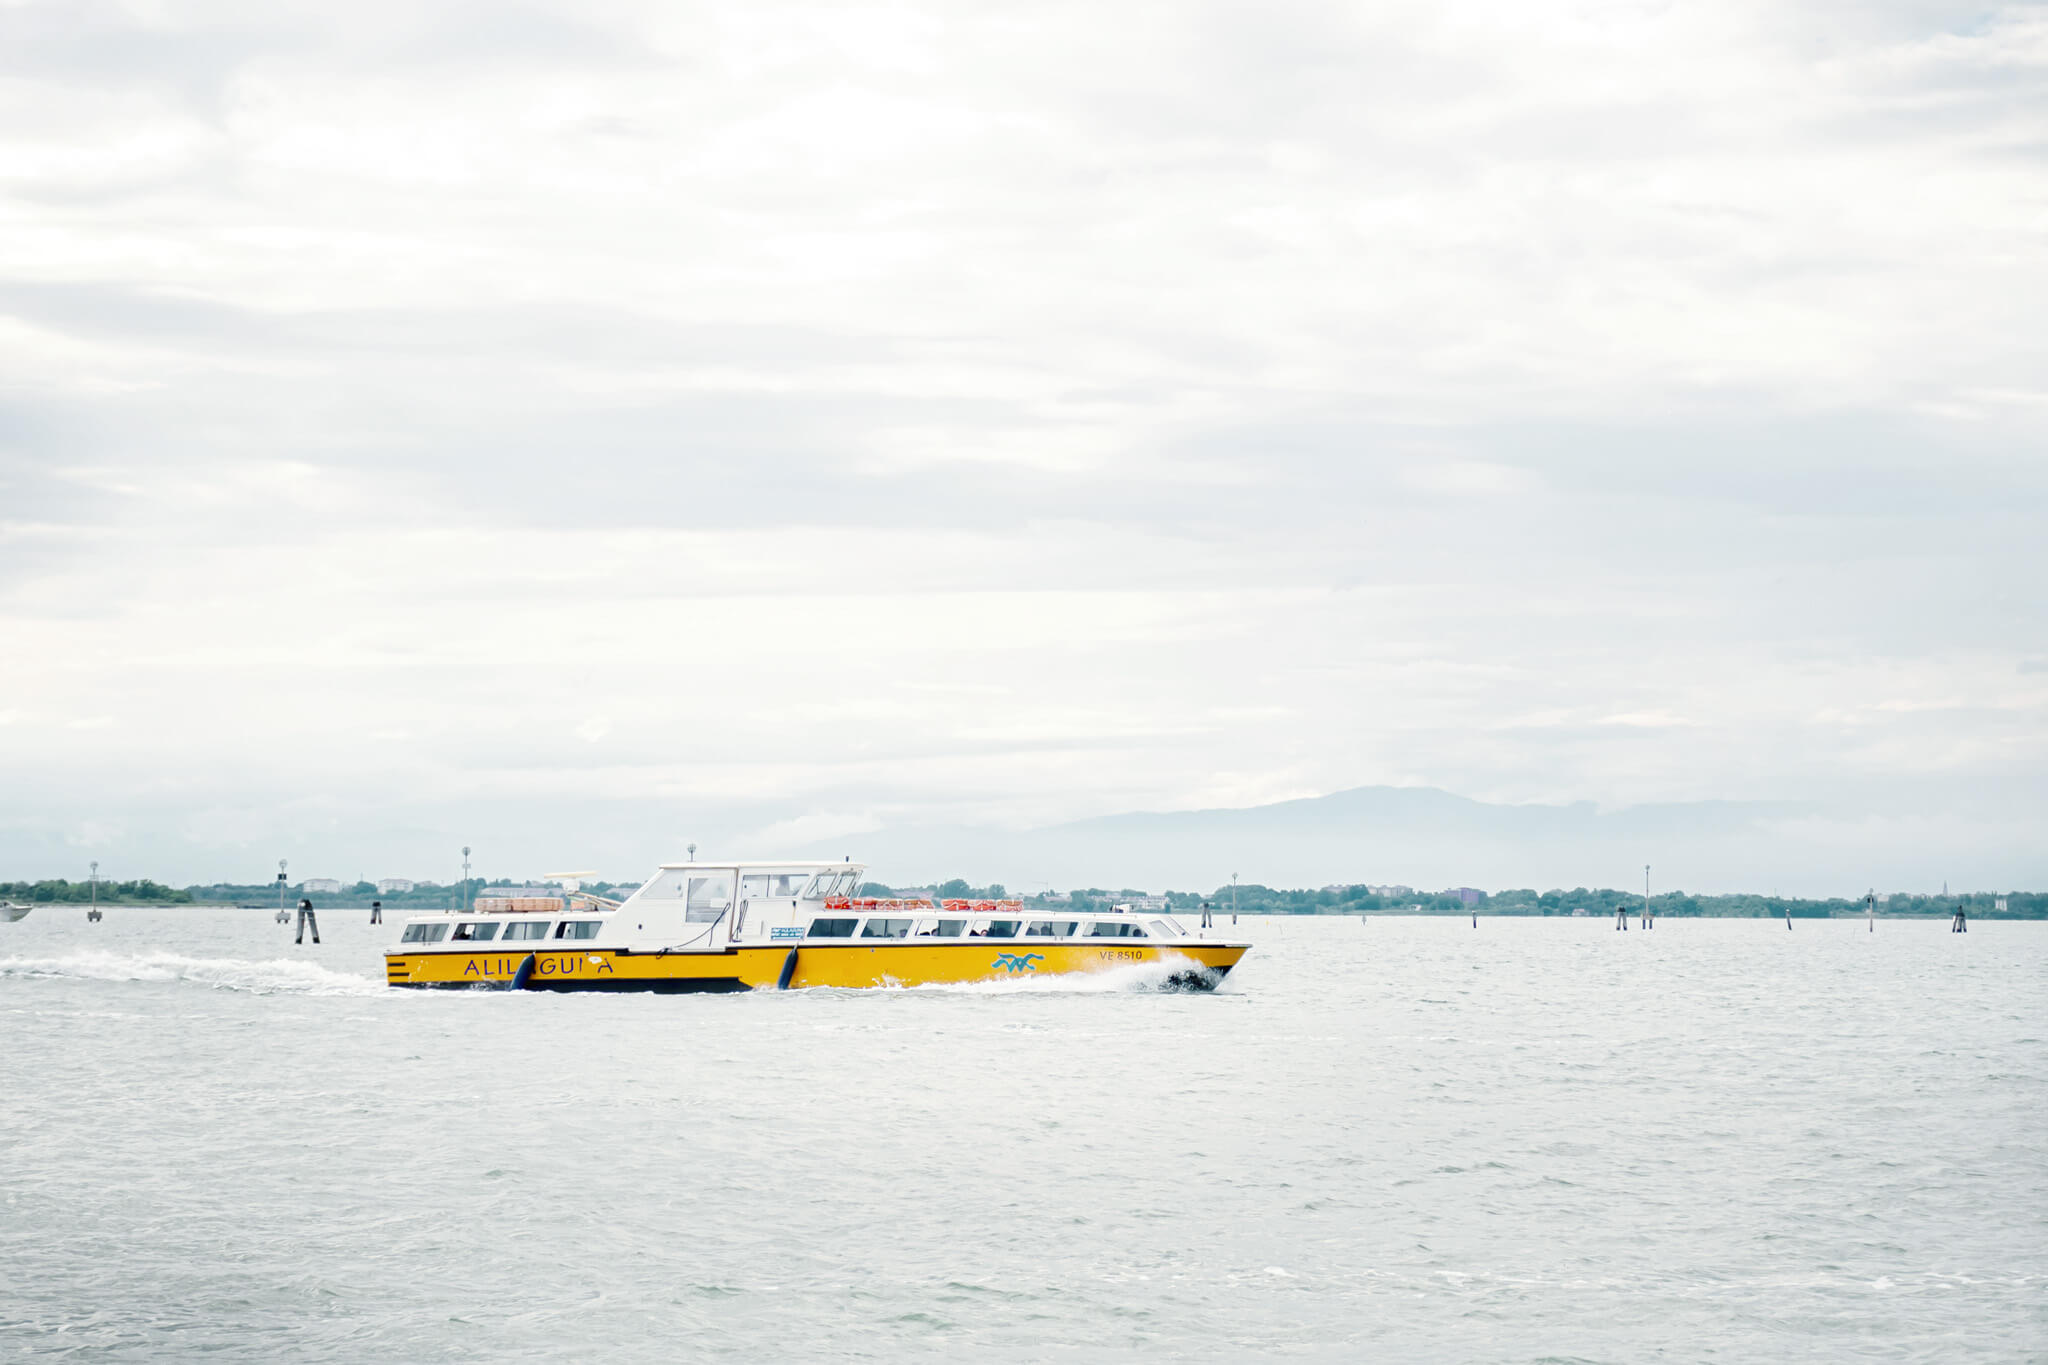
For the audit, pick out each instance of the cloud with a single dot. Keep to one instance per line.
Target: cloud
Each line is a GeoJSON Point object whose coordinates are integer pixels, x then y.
{"type": "Point", "coordinates": [1020, 413]}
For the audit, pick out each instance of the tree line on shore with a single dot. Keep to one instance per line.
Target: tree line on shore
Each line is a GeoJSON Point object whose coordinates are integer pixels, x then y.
{"type": "Point", "coordinates": [1358, 900]}
{"type": "Point", "coordinates": [58, 891]}
{"type": "Point", "coordinates": [1253, 898]}
{"type": "Point", "coordinates": [423, 896]}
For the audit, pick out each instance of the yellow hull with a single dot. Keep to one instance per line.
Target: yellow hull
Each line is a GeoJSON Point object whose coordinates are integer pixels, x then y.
{"type": "Point", "coordinates": [1200, 966]}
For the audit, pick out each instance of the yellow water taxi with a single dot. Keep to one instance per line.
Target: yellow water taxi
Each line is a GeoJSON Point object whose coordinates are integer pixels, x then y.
{"type": "Point", "coordinates": [784, 926]}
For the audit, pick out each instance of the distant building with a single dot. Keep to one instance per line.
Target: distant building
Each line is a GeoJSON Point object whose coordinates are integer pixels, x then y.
{"type": "Point", "coordinates": [323, 886]}
{"type": "Point", "coordinates": [1141, 904]}
{"type": "Point", "coordinates": [391, 885]}
{"type": "Point", "coordinates": [1391, 890]}
{"type": "Point", "coordinates": [1468, 894]}
{"type": "Point", "coordinates": [1057, 896]}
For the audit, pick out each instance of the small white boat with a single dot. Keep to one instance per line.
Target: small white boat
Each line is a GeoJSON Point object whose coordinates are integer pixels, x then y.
{"type": "Point", "coordinates": [10, 912]}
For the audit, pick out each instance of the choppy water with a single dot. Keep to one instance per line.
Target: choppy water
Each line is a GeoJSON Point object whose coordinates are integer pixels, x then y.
{"type": "Point", "coordinates": [1410, 1140]}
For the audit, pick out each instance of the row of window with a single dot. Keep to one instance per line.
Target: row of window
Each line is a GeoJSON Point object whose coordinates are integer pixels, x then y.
{"type": "Point", "coordinates": [484, 931]}
{"type": "Point", "coordinates": [967, 928]}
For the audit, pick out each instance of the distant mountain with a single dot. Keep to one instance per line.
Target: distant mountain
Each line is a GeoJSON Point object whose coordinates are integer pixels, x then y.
{"type": "Point", "coordinates": [1428, 838]}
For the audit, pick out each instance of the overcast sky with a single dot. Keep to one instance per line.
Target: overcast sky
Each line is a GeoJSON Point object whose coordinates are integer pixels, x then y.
{"type": "Point", "coordinates": [572, 430]}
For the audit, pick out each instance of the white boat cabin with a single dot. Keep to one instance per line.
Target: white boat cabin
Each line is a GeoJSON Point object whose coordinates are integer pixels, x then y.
{"type": "Point", "coordinates": [710, 907]}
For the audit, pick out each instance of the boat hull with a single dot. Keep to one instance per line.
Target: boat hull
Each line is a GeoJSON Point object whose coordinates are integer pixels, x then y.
{"type": "Point", "coordinates": [845, 965]}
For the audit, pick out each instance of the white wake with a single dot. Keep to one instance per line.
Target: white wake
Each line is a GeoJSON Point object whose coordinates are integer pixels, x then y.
{"type": "Point", "coordinates": [279, 976]}
{"type": "Point", "coordinates": [1142, 976]}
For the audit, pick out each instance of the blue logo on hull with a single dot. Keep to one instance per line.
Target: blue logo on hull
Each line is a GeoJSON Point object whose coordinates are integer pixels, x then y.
{"type": "Point", "coordinates": [1018, 962]}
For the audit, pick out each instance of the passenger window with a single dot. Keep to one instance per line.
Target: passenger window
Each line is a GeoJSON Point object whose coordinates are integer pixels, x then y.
{"type": "Point", "coordinates": [832, 928]}
{"type": "Point", "coordinates": [1046, 928]}
{"type": "Point", "coordinates": [577, 928]}
{"type": "Point", "coordinates": [526, 929]}
{"type": "Point", "coordinates": [1115, 929]}
{"type": "Point", "coordinates": [710, 898]}
{"type": "Point", "coordinates": [952, 928]}
{"type": "Point", "coordinates": [423, 933]}
{"type": "Point", "coordinates": [462, 931]}
{"type": "Point", "coordinates": [886, 928]}
{"type": "Point", "coordinates": [486, 931]}
{"type": "Point", "coordinates": [1003, 928]}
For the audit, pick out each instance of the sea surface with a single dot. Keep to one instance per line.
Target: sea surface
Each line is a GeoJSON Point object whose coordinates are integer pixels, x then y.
{"type": "Point", "coordinates": [1397, 1140]}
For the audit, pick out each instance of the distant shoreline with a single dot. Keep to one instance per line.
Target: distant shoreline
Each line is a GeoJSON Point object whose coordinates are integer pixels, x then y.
{"type": "Point", "coordinates": [1348, 900]}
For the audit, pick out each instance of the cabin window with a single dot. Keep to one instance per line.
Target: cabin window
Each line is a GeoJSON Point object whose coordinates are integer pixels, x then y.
{"type": "Point", "coordinates": [577, 928]}
{"type": "Point", "coordinates": [886, 928]}
{"type": "Point", "coordinates": [479, 933]}
{"type": "Point", "coordinates": [710, 897]}
{"type": "Point", "coordinates": [526, 928]}
{"type": "Point", "coordinates": [1000, 928]}
{"type": "Point", "coordinates": [1050, 928]}
{"type": "Point", "coordinates": [423, 933]}
{"type": "Point", "coordinates": [833, 928]}
{"type": "Point", "coordinates": [773, 885]}
{"type": "Point", "coordinates": [846, 883]}
{"type": "Point", "coordinates": [666, 885]}
{"type": "Point", "coordinates": [1161, 929]}
{"type": "Point", "coordinates": [1115, 929]}
{"type": "Point", "coordinates": [950, 928]}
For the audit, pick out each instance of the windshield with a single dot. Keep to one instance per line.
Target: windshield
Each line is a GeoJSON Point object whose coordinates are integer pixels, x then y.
{"type": "Point", "coordinates": [666, 885]}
